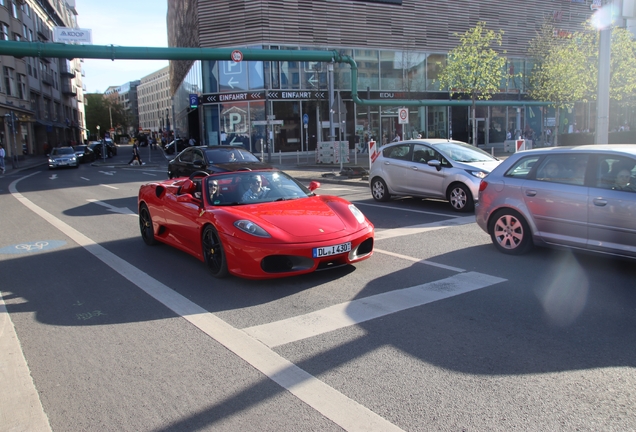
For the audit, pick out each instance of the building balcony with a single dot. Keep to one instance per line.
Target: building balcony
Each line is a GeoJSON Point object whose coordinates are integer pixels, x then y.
{"type": "Point", "coordinates": [47, 78]}
{"type": "Point", "coordinates": [69, 89]}
{"type": "Point", "coordinates": [66, 68]}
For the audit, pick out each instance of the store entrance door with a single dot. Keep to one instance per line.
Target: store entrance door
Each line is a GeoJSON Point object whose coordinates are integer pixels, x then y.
{"type": "Point", "coordinates": [389, 127]}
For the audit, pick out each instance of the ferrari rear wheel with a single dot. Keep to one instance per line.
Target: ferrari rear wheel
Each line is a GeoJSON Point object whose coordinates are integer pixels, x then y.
{"type": "Point", "coordinates": [145, 226]}
{"type": "Point", "coordinates": [213, 252]}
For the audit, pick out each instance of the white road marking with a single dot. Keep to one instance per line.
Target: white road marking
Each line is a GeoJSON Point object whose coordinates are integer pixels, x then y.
{"type": "Point", "coordinates": [420, 261]}
{"type": "Point", "coordinates": [19, 391]}
{"type": "Point", "coordinates": [357, 311]}
{"type": "Point", "coordinates": [53, 176]}
{"type": "Point", "coordinates": [84, 178]}
{"type": "Point", "coordinates": [121, 210]}
{"type": "Point", "coordinates": [418, 229]}
{"type": "Point", "coordinates": [343, 411]}
{"type": "Point", "coordinates": [322, 188]}
{"type": "Point", "coordinates": [407, 210]}
{"type": "Point", "coordinates": [108, 186]}
{"type": "Point", "coordinates": [150, 174]}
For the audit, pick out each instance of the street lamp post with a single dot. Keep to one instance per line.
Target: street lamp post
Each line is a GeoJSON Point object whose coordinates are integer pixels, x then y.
{"type": "Point", "coordinates": [103, 145]}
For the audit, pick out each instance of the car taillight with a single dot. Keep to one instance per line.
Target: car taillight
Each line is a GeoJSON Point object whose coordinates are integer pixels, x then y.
{"type": "Point", "coordinates": [483, 185]}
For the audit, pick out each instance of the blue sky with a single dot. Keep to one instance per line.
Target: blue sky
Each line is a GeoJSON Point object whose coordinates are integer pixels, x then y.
{"type": "Point", "coordinates": [122, 23]}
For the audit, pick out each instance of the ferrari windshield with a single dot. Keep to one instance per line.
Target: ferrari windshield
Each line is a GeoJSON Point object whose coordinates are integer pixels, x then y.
{"type": "Point", "coordinates": [249, 187]}
{"type": "Point", "coordinates": [461, 152]}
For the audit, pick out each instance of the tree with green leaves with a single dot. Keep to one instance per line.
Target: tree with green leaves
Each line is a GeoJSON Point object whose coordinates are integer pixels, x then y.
{"type": "Point", "coordinates": [101, 109]}
{"type": "Point", "coordinates": [566, 70]}
{"type": "Point", "coordinates": [562, 76]}
{"type": "Point", "coordinates": [475, 68]}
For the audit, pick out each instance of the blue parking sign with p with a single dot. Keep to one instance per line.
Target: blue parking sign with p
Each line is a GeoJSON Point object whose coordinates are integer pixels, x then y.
{"type": "Point", "coordinates": [194, 100]}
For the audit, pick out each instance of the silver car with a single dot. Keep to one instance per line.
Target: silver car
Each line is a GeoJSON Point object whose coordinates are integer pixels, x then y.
{"type": "Point", "coordinates": [576, 197]}
{"type": "Point", "coordinates": [431, 168]}
{"type": "Point", "coordinates": [63, 157]}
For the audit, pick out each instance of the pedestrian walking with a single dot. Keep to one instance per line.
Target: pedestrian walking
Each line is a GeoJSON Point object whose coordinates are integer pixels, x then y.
{"type": "Point", "coordinates": [136, 156]}
{"type": "Point", "coordinates": [2, 156]}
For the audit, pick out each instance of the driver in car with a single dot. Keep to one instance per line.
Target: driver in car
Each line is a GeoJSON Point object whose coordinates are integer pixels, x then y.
{"type": "Point", "coordinates": [256, 190]}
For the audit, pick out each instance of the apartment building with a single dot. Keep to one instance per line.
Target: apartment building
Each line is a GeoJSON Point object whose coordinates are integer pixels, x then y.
{"type": "Point", "coordinates": [154, 103]}
{"type": "Point", "coordinates": [41, 99]}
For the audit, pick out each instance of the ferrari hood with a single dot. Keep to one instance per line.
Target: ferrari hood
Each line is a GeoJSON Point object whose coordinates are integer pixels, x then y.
{"type": "Point", "coordinates": [305, 217]}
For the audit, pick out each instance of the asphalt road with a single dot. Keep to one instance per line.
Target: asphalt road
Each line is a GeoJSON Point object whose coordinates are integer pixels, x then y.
{"type": "Point", "coordinates": [437, 331]}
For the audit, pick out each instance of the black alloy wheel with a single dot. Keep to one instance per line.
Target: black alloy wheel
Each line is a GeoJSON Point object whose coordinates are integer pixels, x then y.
{"type": "Point", "coordinates": [145, 226]}
{"type": "Point", "coordinates": [213, 252]}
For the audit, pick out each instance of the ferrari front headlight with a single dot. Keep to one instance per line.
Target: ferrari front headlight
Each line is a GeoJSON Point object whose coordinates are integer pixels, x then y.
{"type": "Point", "coordinates": [357, 213]}
{"type": "Point", "coordinates": [251, 228]}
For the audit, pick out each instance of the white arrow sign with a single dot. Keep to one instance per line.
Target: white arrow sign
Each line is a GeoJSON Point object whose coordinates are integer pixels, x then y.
{"type": "Point", "coordinates": [312, 81]}
{"type": "Point", "coordinates": [53, 177]}
{"type": "Point", "coordinates": [120, 210]}
{"type": "Point", "coordinates": [231, 81]}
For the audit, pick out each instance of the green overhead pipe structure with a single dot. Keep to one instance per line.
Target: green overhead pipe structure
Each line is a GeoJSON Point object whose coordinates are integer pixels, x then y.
{"type": "Point", "coordinates": [112, 52]}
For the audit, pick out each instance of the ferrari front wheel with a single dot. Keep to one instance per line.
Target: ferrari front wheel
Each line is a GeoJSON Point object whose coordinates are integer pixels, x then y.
{"type": "Point", "coordinates": [145, 226]}
{"type": "Point", "coordinates": [213, 252]}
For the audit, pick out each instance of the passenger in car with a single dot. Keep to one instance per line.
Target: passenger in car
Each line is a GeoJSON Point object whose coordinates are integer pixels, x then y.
{"type": "Point", "coordinates": [622, 182]}
{"type": "Point", "coordinates": [551, 171]}
{"type": "Point", "coordinates": [215, 193]}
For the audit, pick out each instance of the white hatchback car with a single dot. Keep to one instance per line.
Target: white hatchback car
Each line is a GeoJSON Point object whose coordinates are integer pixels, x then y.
{"type": "Point", "coordinates": [431, 168]}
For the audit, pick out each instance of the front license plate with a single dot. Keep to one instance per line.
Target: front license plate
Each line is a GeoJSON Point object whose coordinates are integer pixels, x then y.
{"type": "Point", "coordinates": [331, 250]}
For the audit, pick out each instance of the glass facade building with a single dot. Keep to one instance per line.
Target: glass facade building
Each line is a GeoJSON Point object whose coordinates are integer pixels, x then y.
{"type": "Point", "coordinates": [237, 99]}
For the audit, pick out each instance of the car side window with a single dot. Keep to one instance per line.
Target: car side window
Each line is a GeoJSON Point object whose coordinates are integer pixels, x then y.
{"type": "Point", "coordinates": [563, 168]}
{"type": "Point", "coordinates": [186, 156]}
{"type": "Point", "coordinates": [198, 156]}
{"type": "Point", "coordinates": [616, 172]}
{"type": "Point", "coordinates": [523, 167]}
{"type": "Point", "coordinates": [401, 152]}
{"type": "Point", "coordinates": [423, 154]}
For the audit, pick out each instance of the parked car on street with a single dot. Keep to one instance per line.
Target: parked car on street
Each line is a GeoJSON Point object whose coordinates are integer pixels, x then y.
{"type": "Point", "coordinates": [431, 168]}
{"type": "Point", "coordinates": [213, 159]}
{"type": "Point", "coordinates": [177, 146]}
{"type": "Point", "coordinates": [254, 224]}
{"type": "Point", "coordinates": [84, 153]}
{"type": "Point", "coordinates": [575, 197]}
{"type": "Point", "coordinates": [61, 157]}
{"type": "Point", "coordinates": [96, 146]}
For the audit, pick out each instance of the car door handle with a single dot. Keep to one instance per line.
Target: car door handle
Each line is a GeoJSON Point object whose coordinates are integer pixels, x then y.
{"type": "Point", "coordinates": [414, 168]}
{"type": "Point", "coordinates": [531, 193]}
{"type": "Point", "coordinates": [599, 202]}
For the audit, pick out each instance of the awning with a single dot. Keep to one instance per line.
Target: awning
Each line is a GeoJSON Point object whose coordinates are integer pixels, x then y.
{"type": "Point", "coordinates": [43, 122]}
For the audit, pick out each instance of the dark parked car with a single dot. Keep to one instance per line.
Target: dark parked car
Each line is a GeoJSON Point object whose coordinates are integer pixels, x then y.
{"type": "Point", "coordinates": [96, 146]}
{"type": "Point", "coordinates": [84, 154]}
{"type": "Point", "coordinates": [575, 197]}
{"type": "Point", "coordinates": [213, 159]}
{"type": "Point", "coordinates": [179, 144]}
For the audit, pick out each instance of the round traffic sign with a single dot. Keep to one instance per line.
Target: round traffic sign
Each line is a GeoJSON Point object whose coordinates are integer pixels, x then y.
{"type": "Point", "coordinates": [404, 113]}
{"type": "Point", "coordinates": [237, 56]}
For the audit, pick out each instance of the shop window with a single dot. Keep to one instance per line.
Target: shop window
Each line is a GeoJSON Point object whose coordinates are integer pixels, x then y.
{"type": "Point", "coordinates": [368, 69]}
{"type": "Point", "coordinates": [434, 65]}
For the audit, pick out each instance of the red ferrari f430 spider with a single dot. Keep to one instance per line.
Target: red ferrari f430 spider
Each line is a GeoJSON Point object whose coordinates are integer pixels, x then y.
{"type": "Point", "coordinates": [254, 224]}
